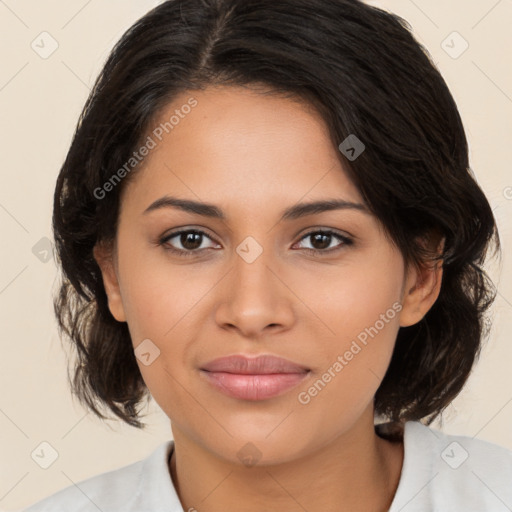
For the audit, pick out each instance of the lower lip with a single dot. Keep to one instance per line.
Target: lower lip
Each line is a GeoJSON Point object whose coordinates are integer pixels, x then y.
{"type": "Point", "coordinates": [254, 387]}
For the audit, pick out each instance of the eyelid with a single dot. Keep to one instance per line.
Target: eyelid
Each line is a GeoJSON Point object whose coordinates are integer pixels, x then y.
{"type": "Point", "coordinates": [325, 229]}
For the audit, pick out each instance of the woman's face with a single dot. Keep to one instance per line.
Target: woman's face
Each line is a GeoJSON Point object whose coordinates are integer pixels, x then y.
{"type": "Point", "coordinates": [252, 285]}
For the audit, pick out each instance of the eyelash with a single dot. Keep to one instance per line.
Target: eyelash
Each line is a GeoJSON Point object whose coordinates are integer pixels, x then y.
{"type": "Point", "coordinates": [189, 253]}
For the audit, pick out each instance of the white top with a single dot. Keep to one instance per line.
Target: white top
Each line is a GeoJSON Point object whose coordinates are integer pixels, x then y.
{"type": "Point", "coordinates": [440, 473]}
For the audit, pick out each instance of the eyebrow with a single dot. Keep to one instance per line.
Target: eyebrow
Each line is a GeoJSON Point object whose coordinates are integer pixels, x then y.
{"type": "Point", "coordinates": [291, 213]}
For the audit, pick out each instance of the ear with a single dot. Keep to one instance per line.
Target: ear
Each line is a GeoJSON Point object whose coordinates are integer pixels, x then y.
{"type": "Point", "coordinates": [421, 289]}
{"type": "Point", "coordinates": [104, 256]}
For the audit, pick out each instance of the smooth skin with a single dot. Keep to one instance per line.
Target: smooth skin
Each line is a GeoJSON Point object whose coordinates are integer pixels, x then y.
{"type": "Point", "coordinates": [253, 156]}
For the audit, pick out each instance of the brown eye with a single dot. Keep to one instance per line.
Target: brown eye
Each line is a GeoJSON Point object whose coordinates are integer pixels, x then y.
{"type": "Point", "coordinates": [189, 239]}
{"type": "Point", "coordinates": [322, 240]}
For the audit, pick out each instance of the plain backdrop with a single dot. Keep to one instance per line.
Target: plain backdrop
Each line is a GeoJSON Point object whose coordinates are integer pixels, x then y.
{"type": "Point", "coordinates": [41, 97]}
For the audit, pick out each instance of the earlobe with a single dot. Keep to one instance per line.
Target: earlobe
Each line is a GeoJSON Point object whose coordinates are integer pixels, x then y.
{"type": "Point", "coordinates": [105, 259]}
{"type": "Point", "coordinates": [421, 290]}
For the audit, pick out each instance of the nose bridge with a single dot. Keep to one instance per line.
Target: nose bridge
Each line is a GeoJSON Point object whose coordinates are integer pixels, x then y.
{"type": "Point", "coordinates": [253, 297]}
{"type": "Point", "coordinates": [251, 261]}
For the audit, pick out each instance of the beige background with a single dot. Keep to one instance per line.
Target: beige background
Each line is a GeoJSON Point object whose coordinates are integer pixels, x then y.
{"type": "Point", "coordinates": [40, 100]}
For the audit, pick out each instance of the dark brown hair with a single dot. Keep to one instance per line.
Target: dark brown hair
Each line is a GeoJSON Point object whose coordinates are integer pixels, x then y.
{"type": "Point", "coordinates": [365, 73]}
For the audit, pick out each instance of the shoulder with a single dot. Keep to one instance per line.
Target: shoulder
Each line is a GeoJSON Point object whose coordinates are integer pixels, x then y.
{"type": "Point", "coordinates": [115, 490]}
{"type": "Point", "coordinates": [453, 472]}
{"type": "Point", "coordinates": [463, 452]}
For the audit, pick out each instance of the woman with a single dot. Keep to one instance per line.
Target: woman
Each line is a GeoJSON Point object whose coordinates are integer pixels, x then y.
{"type": "Point", "coordinates": [266, 221]}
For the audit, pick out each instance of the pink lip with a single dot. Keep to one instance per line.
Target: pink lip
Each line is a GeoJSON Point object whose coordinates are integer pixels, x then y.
{"type": "Point", "coordinates": [257, 378]}
{"type": "Point", "coordinates": [264, 364]}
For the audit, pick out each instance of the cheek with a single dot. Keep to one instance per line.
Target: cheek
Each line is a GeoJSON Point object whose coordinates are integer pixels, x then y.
{"type": "Point", "coordinates": [351, 297]}
{"type": "Point", "coordinates": [355, 361]}
{"type": "Point", "coordinates": [162, 301]}
{"type": "Point", "coordinates": [360, 306]}
{"type": "Point", "coordinates": [157, 293]}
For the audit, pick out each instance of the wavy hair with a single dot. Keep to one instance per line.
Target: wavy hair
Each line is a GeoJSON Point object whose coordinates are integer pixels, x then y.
{"type": "Point", "coordinates": [364, 72]}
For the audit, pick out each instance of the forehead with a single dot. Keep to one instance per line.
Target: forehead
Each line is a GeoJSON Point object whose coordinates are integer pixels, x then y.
{"type": "Point", "coordinates": [239, 146]}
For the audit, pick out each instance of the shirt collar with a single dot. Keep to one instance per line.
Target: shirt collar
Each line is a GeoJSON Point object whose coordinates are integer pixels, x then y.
{"type": "Point", "coordinates": [155, 491]}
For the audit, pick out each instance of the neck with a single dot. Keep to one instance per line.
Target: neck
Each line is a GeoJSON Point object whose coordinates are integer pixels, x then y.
{"type": "Point", "coordinates": [356, 471]}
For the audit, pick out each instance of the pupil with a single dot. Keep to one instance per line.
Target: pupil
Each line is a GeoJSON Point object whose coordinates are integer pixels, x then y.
{"type": "Point", "coordinates": [325, 237]}
{"type": "Point", "coordinates": [188, 238]}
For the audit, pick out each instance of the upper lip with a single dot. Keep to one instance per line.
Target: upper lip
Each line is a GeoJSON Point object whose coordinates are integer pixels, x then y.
{"type": "Point", "coordinates": [263, 364]}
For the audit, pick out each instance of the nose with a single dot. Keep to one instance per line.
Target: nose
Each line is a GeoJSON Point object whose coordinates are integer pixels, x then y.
{"type": "Point", "coordinates": [254, 297]}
